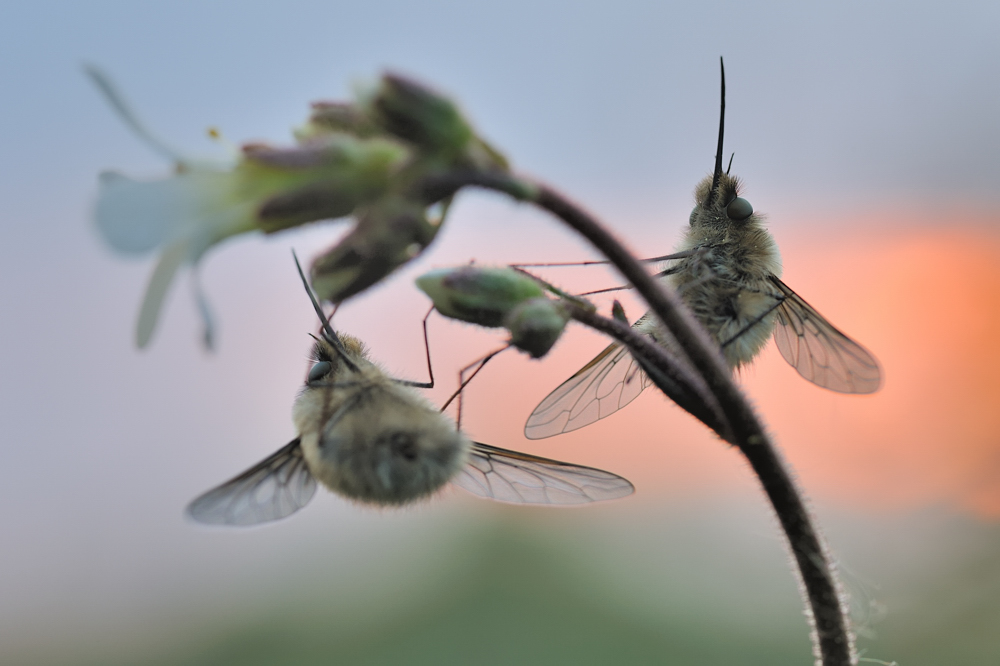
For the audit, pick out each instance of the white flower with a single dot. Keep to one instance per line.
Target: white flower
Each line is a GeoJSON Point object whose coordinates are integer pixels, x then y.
{"type": "Point", "coordinates": [180, 216]}
{"type": "Point", "coordinates": [260, 188]}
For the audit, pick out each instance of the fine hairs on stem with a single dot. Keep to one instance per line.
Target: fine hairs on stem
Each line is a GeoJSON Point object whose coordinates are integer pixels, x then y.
{"type": "Point", "coordinates": [829, 618]}
{"type": "Point", "coordinates": [403, 152]}
{"type": "Point", "coordinates": [831, 636]}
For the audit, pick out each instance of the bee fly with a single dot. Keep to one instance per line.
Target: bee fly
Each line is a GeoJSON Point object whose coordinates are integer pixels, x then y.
{"type": "Point", "coordinates": [376, 440]}
{"type": "Point", "coordinates": [727, 270]}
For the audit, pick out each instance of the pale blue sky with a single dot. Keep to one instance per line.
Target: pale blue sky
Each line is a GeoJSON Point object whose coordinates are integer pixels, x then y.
{"type": "Point", "coordinates": [833, 108]}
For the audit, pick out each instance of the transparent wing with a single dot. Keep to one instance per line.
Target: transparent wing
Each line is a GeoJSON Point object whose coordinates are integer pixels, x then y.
{"type": "Point", "coordinates": [519, 478]}
{"type": "Point", "coordinates": [820, 352]}
{"type": "Point", "coordinates": [602, 387]}
{"type": "Point", "coordinates": [276, 487]}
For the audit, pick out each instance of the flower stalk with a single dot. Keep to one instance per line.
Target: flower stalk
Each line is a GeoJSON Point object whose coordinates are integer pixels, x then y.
{"type": "Point", "coordinates": [386, 160]}
{"type": "Point", "coordinates": [832, 641]}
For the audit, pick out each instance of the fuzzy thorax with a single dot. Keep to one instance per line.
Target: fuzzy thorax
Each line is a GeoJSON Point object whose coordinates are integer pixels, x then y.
{"type": "Point", "coordinates": [372, 439]}
{"type": "Point", "coordinates": [725, 280]}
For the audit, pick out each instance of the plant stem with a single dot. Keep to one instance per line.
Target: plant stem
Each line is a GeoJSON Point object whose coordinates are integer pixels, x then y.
{"type": "Point", "coordinates": [829, 620]}
{"type": "Point", "coordinates": [832, 642]}
{"type": "Point", "coordinates": [670, 375]}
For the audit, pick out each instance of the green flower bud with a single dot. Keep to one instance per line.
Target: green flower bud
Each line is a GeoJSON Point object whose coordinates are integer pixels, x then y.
{"type": "Point", "coordinates": [324, 178]}
{"type": "Point", "coordinates": [388, 234]}
{"type": "Point", "coordinates": [415, 113]}
{"type": "Point", "coordinates": [350, 159]}
{"type": "Point", "coordinates": [535, 325]}
{"type": "Point", "coordinates": [343, 117]}
{"type": "Point", "coordinates": [483, 296]}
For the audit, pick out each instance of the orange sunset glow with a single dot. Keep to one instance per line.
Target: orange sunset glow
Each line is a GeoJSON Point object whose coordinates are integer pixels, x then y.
{"type": "Point", "coordinates": [928, 303]}
{"type": "Point", "coordinates": [925, 301]}
{"type": "Point", "coordinates": [158, 343]}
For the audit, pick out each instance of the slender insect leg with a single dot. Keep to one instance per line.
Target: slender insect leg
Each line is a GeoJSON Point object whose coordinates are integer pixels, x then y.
{"type": "Point", "coordinates": [683, 254]}
{"type": "Point", "coordinates": [778, 300]}
{"type": "Point", "coordinates": [560, 264]}
{"type": "Point", "coordinates": [552, 288]}
{"type": "Point", "coordinates": [427, 346]}
{"type": "Point", "coordinates": [667, 271]}
{"type": "Point", "coordinates": [663, 273]}
{"type": "Point", "coordinates": [427, 352]}
{"type": "Point", "coordinates": [667, 257]}
{"type": "Point", "coordinates": [605, 291]}
{"type": "Point", "coordinates": [463, 382]}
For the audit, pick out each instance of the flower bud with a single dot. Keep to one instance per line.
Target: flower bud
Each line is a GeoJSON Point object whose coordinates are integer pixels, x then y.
{"type": "Point", "coordinates": [415, 113]}
{"type": "Point", "coordinates": [388, 234]}
{"type": "Point", "coordinates": [323, 178]}
{"type": "Point", "coordinates": [343, 117]}
{"type": "Point", "coordinates": [484, 296]}
{"type": "Point", "coordinates": [536, 324]}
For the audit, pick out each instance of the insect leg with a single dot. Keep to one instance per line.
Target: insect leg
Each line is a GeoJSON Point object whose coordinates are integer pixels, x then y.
{"type": "Point", "coordinates": [463, 382]}
{"type": "Point", "coordinates": [667, 257]}
{"type": "Point", "coordinates": [778, 300]}
{"type": "Point", "coordinates": [560, 264]}
{"type": "Point", "coordinates": [668, 271]}
{"type": "Point", "coordinates": [427, 351]}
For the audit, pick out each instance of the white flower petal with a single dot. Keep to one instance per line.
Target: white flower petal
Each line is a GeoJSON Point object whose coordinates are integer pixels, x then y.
{"type": "Point", "coordinates": [159, 283]}
{"type": "Point", "coordinates": [111, 93]}
{"type": "Point", "coordinates": [135, 217]}
{"type": "Point", "coordinates": [208, 321]}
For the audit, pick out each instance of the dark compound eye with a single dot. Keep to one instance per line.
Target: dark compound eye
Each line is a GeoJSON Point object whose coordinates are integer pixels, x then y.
{"type": "Point", "coordinates": [739, 209]}
{"type": "Point", "coordinates": [320, 370]}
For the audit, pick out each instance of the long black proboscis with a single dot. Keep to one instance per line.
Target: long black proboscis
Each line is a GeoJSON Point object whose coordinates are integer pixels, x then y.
{"type": "Point", "coordinates": [328, 332]}
{"type": "Point", "coordinates": [717, 174]}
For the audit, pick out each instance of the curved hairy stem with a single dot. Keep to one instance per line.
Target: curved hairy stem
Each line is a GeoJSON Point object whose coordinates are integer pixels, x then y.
{"type": "Point", "coordinates": [668, 373]}
{"type": "Point", "coordinates": [832, 640]}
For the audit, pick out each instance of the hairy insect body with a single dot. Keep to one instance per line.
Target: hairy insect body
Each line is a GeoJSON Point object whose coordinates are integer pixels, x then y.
{"type": "Point", "coordinates": [727, 271]}
{"type": "Point", "coordinates": [726, 278]}
{"type": "Point", "coordinates": [368, 437]}
{"type": "Point", "coordinates": [374, 439]}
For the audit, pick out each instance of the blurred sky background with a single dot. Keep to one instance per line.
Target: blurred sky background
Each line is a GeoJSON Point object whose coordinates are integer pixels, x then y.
{"type": "Point", "coordinates": [868, 133]}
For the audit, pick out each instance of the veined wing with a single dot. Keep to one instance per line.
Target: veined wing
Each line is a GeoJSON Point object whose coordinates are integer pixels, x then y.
{"type": "Point", "coordinates": [820, 352]}
{"type": "Point", "coordinates": [276, 487]}
{"type": "Point", "coordinates": [519, 478]}
{"type": "Point", "coordinates": [600, 388]}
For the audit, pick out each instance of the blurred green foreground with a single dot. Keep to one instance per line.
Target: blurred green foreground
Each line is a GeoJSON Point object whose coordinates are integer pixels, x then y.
{"type": "Point", "coordinates": [506, 586]}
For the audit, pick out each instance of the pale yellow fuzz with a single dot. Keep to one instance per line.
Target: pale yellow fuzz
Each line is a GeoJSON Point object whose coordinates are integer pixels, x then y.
{"type": "Point", "coordinates": [726, 282]}
{"type": "Point", "coordinates": [370, 438]}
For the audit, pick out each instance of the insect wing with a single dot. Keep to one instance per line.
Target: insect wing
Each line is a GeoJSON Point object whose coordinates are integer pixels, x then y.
{"type": "Point", "coordinates": [602, 387]}
{"type": "Point", "coordinates": [276, 487]}
{"type": "Point", "coordinates": [519, 478]}
{"type": "Point", "coordinates": [818, 351]}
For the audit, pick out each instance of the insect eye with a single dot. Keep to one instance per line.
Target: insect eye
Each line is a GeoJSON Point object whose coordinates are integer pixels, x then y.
{"type": "Point", "coordinates": [320, 370]}
{"type": "Point", "coordinates": [739, 209]}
